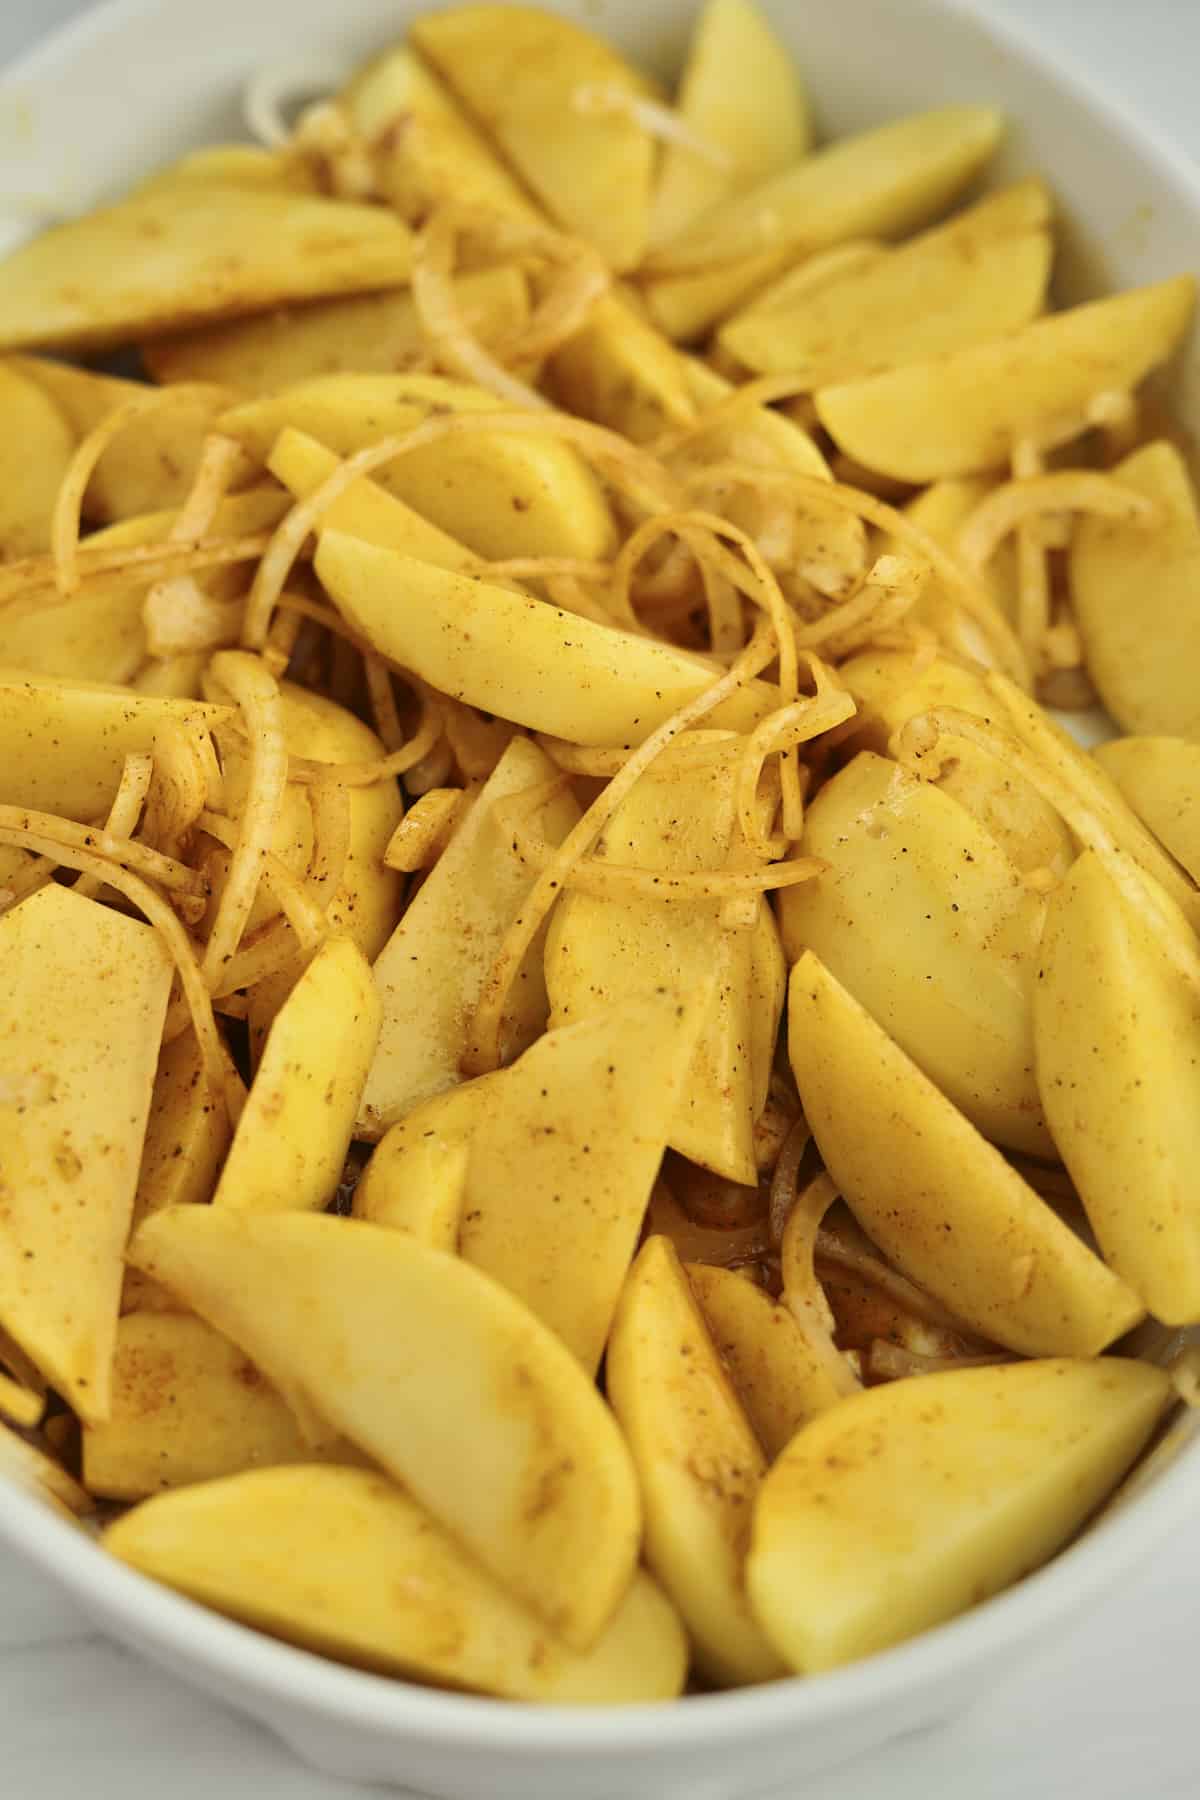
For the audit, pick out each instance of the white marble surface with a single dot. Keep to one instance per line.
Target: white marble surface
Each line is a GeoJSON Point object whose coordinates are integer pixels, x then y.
{"type": "Point", "coordinates": [1110, 1709]}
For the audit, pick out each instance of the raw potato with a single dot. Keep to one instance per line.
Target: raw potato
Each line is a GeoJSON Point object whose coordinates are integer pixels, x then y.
{"type": "Point", "coordinates": [942, 1205]}
{"type": "Point", "coordinates": [1118, 1058]}
{"type": "Point", "coordinates": [291, 1141]}
{"type": "Point", "coordinates": [778, 1381]}
{"type": "Point", "coordinates": [343, 1562]}
{"type": "Point", "coordinates": [882, 183]}
{"type": "Point", "coordinates": [680, 818]}
{"type": "Point", "coordinates": [517, 658]}
{"type": "Point", "coordinates": [239, 165]}
{"type": "Point", "coordinates": [425, 150]}
{"type": "Point", "coordinates": [962, 414]}
{"type": "Point", "coordinates": [1136, 595]}
{"type": "Point", "coordinates": [684, 307]}
{"type": "Point", "coordinates": [909, 1503]}
{"type": "Point", "coordinates": [503, 495]}
{"type": "Point", "coordinates": [741, 94]}
{"type": "Point", "coordinates": [698, 1462]}
{"type": "Point", "coordinates": [82, 732]}
{"type": "Point", "coordinates": [361, 334]}
{"type": "Point", "coordinates": [925, 920]}
{"type": "Point", "coordinates": [622, 372]}
{"type": "Point", "coordinates": [86, 994]}
{"type": "Point", "coordinates": [565, 1149]}
{"type": "Point", "coordinates": [1160, 779]}
{"type": "Point", "coordinates": [979, 276]}
{"type": "Point", "coordinates": [391, 1341]}
{"type": "Point", "coordinates": [187, 1406]}
{"type": "Point", "coordinates": [188, 253]}
{"type": "Point", "coordinates": [430, 972]}
{"type": "Point", "coordinates": [942, 510]}
{"type": "Point", "coordinates": [35, 452]}
{"type": "Point", "coordinates": [419, 1185]}
{"type": "Point", "coordinates": [528, 76]}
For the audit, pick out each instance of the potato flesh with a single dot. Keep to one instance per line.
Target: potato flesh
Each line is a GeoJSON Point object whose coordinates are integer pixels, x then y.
{"type": "Point", "coordinates": [908, 1503]}
{"type": "Point", "coordinates": [1136, 595]}
{"type": "Point", "coordinates": [86, 994]}
{"type": "Point", "coordinates": [418, 1187]}
{"type": "Point", "coordinates": [779, 1383]}
{"type": "Point", "coordinates": [939, 1201]}
{"type": "Point", "coordinates": [698, 1462]}
{"type": "Point", "coordinates": [1159, 777]}
{"type": "Point", "coordinates": [360, 1316]}
{"type": "Point", "coordinates": [623, 373]}
{"type": "Point", "coordinates": [344, 1562]}
{"type": "Point", "coordinates": [34, 455]}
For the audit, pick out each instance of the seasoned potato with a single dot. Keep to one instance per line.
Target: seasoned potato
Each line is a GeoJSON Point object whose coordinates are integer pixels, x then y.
{"type": "Point", "coordinates": [622, 372]}
{"type": "Point", "coordinates": [34, 456]}
{"type": "Point", "coordinates": [417, 1184]}
{"type": "Point", "coordinates": [1160, 779]}
{"type": "Point", "coordinates": [777, 1379]}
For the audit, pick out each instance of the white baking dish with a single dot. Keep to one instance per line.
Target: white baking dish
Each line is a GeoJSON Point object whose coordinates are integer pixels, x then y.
{"type": "Point", "coordinates": [140, 80]}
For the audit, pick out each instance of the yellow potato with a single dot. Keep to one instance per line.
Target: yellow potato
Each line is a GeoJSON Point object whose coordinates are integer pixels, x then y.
{"type": "Point", "coordinates": [741, 94]}
{"type": "Point", "coordinates": [698, 1462]}
{"type": "Point", "coordinates": [503, 495]}
{"type": "Point", "coordinates": [430, 972]}
{"type": "Point", "coordinates": [1117, 1031]}
{"type": "Point", "coordinates": [291, 1141]}
{"type": "Point", "coordinates": [942, 509]}
{"type": "Point", "coordinates": [622, 372]}
{"type": "Point", "coordinates": [963, 413]}
{"type": "Point", "coordinates": [187, 253]}
{"type": "Point", "coordinates": [882, 183]}
{"type": "Point", "coordinates": [565, 1149]}
{"type": "Point", "coordinates": [1136, 595]}
{"type": "Point", "coordinates": [83, 733]}
{"type": "Point", "coordinates": [343, 1562]}
{"type": "Point", "coordinates": [942, 1205]}
{"type": "Point", "coordinates": [520, 659]}
{"type": "Point", "coordinates": [889, 691]}
{"type": "Point", "coordinates": [1160, 779]}
{"type": "Point", "coordinates": [419, 1187]}
{"type": "Point", "coordinates": [911, 1502]}
{"type": "Point", "coordinates": [187, 1406]}
{"type": "Point", "coordinates": [768, 992]}
{"type": "Point", "coordinates": [365, 510]}
{"type": "Point", "coordinates": [85, 997]}
{"type": "Point", "coordinates": [685, 307]}
{"type": "Point", "coordinates": [358, 335]}
{"type": "Point", "coordinates": [389, 1341]}
{"type": "Point", "coordinates": [982, 274]}
{"type": "Point", "coordinates": [556, 100]}
{"type": "Point", "coordinates": [777, 1379]}
{"type": "Point", "coordinates": [926, 921]}
{"type": "Point", "coordinates": [680, 818]}
{"type": "Point", "coordinates": [148, 468]}
{"type": "Point", "coordinates": [239, 165]}
{"type": "Point", "coordinates": [35, 452]}
{"type": "Point", "coordinates": [425, 150]}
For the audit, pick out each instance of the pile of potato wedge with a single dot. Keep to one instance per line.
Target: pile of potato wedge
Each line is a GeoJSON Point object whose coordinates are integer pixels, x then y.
{"type": "Point", "coordinates": [596, 1098]}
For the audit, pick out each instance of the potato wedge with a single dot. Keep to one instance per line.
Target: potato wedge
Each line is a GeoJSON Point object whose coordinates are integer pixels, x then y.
{"type": "Point", "coordinates": [238, 165]}
{"type": "Point", "coordinates": [909, 1503]}
{"type": "Point", "coordinates": [882, 183]}
{"type": "Point", "coordinates": [521, 659]}
{"type": "Point", "coordinates": [187, 253]}
{"type": "Point", "coordinates": [556, 100]}
{"type": "Point", "coordinates": [740, 93]}
{"type": "Point", "coordinates": [362, 334]}
{"type": "Point", "coordinates": [1160, 779]}
{"type": "Point", "coordinates": [1136, 595]}
{"type": "Point", "coordinates": [187, 1406]}
{"type": "Point", "coordinates": [417, 1185]}
{"type": "Point", "coordinates": [622, 372]}
{"type": "Point", "coordinates": [977, 277]}
{"type": "Point", "coordinates": [430, 972]}
{"type": "Point", "coordinates": [504, 495]}
{"type": "Point", "coordinates": [942, 509]}
{"type": "Point", "coordinates": [150, 467]}
{"type": "Point", "coordinates": [939, 1201]}
{"type": "Point", "coordinates": [681, 817]}
{"type": "Point", "coordinates": [685, 307]}
{"type": "Point", "coordinates": [948, 959]}
{"type": "Point", "coordinates": [83, 733]}
{"type": "Point", "coordinates": [360, 1316]}
{"type": "Point", "coordinates": [343, 1562]}
{"type": "Point", "coordinates": [425, 149]}
{"type": "Point", "coordinates": [778, 1381]}
{"type": "Point", "coordinates": [291, 1140]}
{"type": "Point", "coordinates": [962, 414]}
{"type": "Point", "coordinates": [697, 1459]}
{"type": "Point", "coordinates": [1117, 1032]}
{"type": "Point", "coordinates": [74, 1037]}
{"type": "Point", "coordinates": [35, 453]}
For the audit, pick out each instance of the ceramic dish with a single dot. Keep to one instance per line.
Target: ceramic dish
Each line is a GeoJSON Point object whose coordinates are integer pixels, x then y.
{"type": "Point", "coordinates": [140, 80]}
